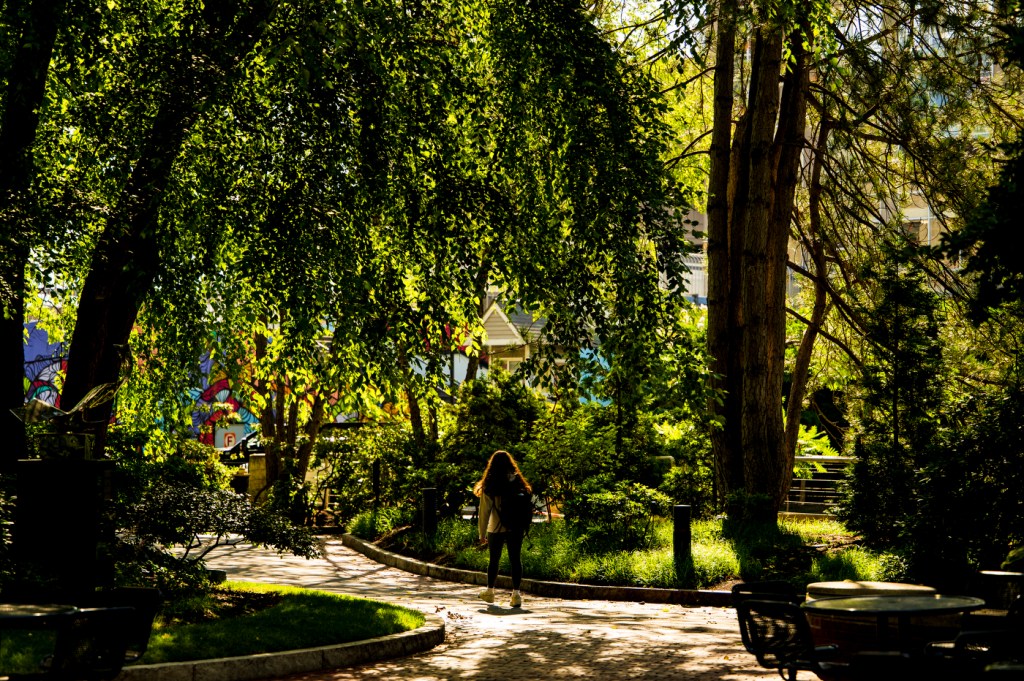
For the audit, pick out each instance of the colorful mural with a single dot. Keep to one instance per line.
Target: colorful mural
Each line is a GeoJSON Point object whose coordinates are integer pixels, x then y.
{"type": "Point", "coordinates": [44, 366]}
{"type": "Point", "coordinates": [45, 363]}
{"type": "Point", "coordinates": [206, 418]}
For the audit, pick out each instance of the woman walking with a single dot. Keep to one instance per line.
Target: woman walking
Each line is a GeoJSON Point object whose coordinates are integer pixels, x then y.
{"type": "Point", "coordinates": [501, 479]}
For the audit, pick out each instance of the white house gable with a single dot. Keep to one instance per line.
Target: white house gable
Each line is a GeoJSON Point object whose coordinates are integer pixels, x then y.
{"type": "Point", "coordinates": [500, 331]}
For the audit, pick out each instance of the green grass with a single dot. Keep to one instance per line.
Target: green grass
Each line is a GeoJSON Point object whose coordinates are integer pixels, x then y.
{"type": "Point", "coordinates": [797, 551]}
{"type": "Point", "coordinates": [301, 619]}
{"type": "Point", "coordinates": [22, 652]}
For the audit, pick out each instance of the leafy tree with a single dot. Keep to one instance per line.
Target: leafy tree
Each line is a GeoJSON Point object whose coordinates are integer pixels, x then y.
{"type": "Point", "coordinates": [323, 191]}
{"type": "Point", "coordinates": [187, 66]}
{"type": "Point", "coordinates": [988, 237]}
{"type": "Point", "coordinates": [29, 33]}
{"type": "Point", "coordinates": [896, 429]}
{"type": "Point", "coordinates": [828, 161]}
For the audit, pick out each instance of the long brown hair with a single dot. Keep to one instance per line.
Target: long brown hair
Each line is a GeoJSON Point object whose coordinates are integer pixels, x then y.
{"type": "Point", "coordinates": [495, 477]}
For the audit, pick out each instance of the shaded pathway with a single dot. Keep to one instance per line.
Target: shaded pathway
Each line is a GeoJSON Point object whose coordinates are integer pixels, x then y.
{"type": "Point", "coordinates": [546, 638]}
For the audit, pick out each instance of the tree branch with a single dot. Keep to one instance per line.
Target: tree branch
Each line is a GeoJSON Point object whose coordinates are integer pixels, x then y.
{"type": "Point", "coordinates": [827, 336]}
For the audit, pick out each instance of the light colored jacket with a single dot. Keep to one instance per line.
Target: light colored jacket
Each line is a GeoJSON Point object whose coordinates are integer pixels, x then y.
{"type": "Point", "coordinates": [488, 519]}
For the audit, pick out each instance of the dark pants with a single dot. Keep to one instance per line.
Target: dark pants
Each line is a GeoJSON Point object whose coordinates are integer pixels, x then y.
{"type": "Point", "coordinates": [495, 540]}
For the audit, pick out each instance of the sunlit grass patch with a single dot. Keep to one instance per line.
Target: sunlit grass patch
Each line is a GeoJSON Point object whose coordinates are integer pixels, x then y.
{"type": "Point", "coordinates": [855, 563]}
{"type": "Point", "coordinates": [23, 651]}
{"type": "Point", "coordinates": [551, 553]}
{"type": "Point", "coordinates": [302, 618]}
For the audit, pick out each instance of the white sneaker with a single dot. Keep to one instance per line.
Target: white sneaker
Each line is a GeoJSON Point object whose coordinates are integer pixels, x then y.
{"type": "Point", "coordinates": [517, 600]}
{"type": "Point", "coordinates": [487, 595]}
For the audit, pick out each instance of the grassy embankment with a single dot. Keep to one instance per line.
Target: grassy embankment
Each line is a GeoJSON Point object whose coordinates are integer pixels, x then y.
{"type": "Point", "coordinates": [239, 619]}
{"type": "Point", "coordinates": [800, 551]}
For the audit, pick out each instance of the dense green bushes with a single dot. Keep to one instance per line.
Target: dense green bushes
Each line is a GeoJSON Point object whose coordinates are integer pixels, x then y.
{"type": "Point", "coordinates": [621, 518]}
{"type": "Point", "coordinates": [940, 461]}
{"type": "Point", "coordinates": [553, 552]}
{"type": "Point", "coordinates": [969, 507]}
{"type": "Point", "coordinates": [573, 456]}
{"type": "Point", "coordinates": [167, 496]}
{"type": "Point", "coordinates": [346, 461]}
{"type": "Point", "coordinates": [373, 524]}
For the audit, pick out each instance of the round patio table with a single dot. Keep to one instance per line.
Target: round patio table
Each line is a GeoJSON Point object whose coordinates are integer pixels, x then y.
{"type": "Point", "coordinates": [848, 587]}
{"type": "Point", "coordinates": [31, 615]}
{"type": "Point", "coordinates": [902, 608]}
{"type": "Point", "coordinates": [999, 588]}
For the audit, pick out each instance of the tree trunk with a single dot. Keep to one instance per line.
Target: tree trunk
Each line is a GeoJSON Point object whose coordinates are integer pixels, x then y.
{"type": "Point", "coordinates": [265, 390]}
{"type": "Point", "coordinates": [483, 276]}
{"type": "Point", "coordinates": [760, 405]}
{"type": "Point", "coordinates": [798, 385]}
{"type": "Point", "coordinates": [25, 86]}
{"type": "Point", "coordinates": [275, 451]}
{"type": "Point", "coordinates": [292, 426]}
{"type": "Point", "coordinates": [728, 468]}
{"type": "Point", "coordinates": [415, 415]}
{"type": "Point", "coordinates": [748, 238]}
{"type": "Point", "coordinates": [432, 430]}
{"type": "Point", "coordinates": [312, 430]}
{"type": "Point", "coordinates": [124, 265]}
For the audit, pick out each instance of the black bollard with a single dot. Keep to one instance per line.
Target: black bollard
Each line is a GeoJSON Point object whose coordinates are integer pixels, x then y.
{"type": "Point", "coordinates": [375, 473]}
{"type": "Point", "coordinates": [429, 511]}
{"type": "Point", "coordinates": [681, 537]}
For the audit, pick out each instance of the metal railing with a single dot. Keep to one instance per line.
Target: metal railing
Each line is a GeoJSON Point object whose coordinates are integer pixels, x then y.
{"type": "Point", "coordinates": [817, 494]}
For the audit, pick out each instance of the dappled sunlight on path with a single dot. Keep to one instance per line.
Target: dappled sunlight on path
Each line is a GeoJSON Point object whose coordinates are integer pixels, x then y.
{"type": "Point", "coordinates": [545, 638]}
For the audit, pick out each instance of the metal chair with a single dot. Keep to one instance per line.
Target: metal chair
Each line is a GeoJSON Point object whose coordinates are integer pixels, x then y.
{"type": "Point", "coordinates": [777, 634]}
{"type": "Point", "coordinates": [766, 591]}
{"type": "Point", "coordinates": [93, 646]}
{"type": "Point", "coordinates": [1001, 640]}
{"type": "Point", "coordinates": [145, 603]}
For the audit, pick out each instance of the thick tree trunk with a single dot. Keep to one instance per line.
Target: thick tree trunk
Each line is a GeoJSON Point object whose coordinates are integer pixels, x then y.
{"type": "Point", "coordinates": [124, 266]}
{"type": "Point", "coordinates": [725, 446]}
{"type": "Point", "coordinates": [34, 28]}
{"type": "Point", "coordinates": [748, 245]}
{"type": "Point", "coordinates": [760, 408]}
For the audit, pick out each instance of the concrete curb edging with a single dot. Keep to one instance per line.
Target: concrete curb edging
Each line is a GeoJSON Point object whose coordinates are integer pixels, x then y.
{"type": "Point", "coordinates": [539, 588]}
{"type": "Point", "coordinates": [265, 665]}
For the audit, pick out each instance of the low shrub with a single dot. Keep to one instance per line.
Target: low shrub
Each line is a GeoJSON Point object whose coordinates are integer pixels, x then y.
{"type": "Point", "coordinates": [692, 480]}
{"type": "Point", "coordinates": [168, 498]}
{"type": "Point", "coordinates": [622, 518]}
{"type": "Point", "coordinates": [372, 525]}
{"type": "Point", "coordinates": [174, 514]}
{"type": "Point", "coordinates": [347, 460]}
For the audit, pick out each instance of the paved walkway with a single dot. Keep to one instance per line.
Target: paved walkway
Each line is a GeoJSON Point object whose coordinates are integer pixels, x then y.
{"type": "Point", "coordinates": [546, 638]}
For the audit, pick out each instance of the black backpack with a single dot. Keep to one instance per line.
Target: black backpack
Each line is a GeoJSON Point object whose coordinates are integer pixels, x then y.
{"type": "Point", "coordinates": [516, 510]}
